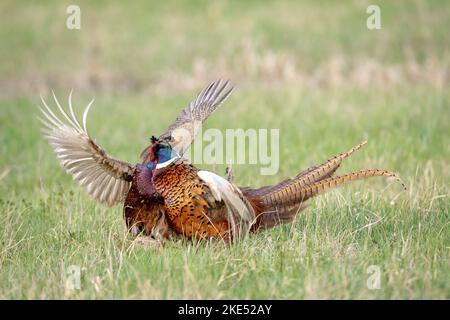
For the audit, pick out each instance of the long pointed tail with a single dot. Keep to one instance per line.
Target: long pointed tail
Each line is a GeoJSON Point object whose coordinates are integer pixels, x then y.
{"type": "Point", "coordinates": [310, 175]}
{"type": "Point", "coordinates": [280, 203]}
{"type": "Point", "coordinates": [290, 196]}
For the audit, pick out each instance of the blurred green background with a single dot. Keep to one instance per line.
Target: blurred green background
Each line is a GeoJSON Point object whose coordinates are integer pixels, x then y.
{"type": "Point", "coordinates": [171, 46]}
{"type": "Point", "coordinates": [310, 68]}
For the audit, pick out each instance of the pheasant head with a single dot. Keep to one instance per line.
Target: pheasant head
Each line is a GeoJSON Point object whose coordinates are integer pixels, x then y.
{"type": "Point", "coordinates": [161, 154]}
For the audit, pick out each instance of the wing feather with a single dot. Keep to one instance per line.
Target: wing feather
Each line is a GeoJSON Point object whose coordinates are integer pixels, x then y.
{"type": "Point", "coordinates": [183, 131]}
{"type": "Point", "coordinates": [105, 178]}
{"type": "Point", "coordinates": [241, 215]}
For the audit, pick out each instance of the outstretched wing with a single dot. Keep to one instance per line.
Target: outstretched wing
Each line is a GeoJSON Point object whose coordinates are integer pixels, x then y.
{"type": "Point", "coordinates": [106, 179]}
{"type": "Point", "coordinates": [241, 215]}
{"type": "Point", "coordinates": [183, 131]}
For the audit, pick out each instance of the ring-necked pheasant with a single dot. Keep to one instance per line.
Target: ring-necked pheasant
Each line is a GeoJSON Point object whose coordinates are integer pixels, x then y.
{"type": "Point", "coordinates": [196, 203]}
{"type": "Point", "coordinates": [113, 181]}
{"type": "Point", "coordinates": [200, 204]}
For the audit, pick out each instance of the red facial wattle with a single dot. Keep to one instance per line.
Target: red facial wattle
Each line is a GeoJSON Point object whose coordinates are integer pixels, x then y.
{"type": "Point", "coordinates": [150, 157]}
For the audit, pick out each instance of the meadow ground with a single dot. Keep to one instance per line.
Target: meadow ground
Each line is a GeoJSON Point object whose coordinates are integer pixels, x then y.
{"type": "Point", "coordinates": [311, 69]}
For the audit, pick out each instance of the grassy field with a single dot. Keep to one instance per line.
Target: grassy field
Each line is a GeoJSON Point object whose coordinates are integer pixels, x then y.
{"type": "Point", "coordinates": [311, 69]}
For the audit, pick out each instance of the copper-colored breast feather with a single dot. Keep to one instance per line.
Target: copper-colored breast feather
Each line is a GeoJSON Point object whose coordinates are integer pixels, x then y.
{"type": "Point", "coordinates": [190, 207]}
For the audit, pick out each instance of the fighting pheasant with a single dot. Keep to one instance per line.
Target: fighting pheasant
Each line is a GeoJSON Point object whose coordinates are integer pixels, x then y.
{"type": "Point", "coordinates": [203, 205]}
{"type": "Point", "coordinates": [111, 181]}
{"type": "Point", "coordinates": [164, 195]}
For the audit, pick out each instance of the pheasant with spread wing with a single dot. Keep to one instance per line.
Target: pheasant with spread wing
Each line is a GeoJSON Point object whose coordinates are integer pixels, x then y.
{"type": "Point", "coordinates": [165, 195]}
{"type": "Point", "coordinates": [111, 181]}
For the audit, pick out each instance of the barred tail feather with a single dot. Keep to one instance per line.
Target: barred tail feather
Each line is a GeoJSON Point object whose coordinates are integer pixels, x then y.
{"type": "Point", "coordinates": [280, 203]}
{"type": "Point", "coordinates": [282, 206]}
{"type": "Point", "coordinates": [289, 196]}
{"type": "Point", "coordinates": [309, 176]}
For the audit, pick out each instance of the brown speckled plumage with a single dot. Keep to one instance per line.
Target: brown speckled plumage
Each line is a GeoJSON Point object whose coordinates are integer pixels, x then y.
{"type": "Point", "coordinates": [190, 208]}
{"type": "Point", "coordinates": [144, 207]}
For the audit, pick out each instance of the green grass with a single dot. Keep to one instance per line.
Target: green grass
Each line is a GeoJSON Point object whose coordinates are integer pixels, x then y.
{"type": "Point", "coordinates": [143, 63]}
